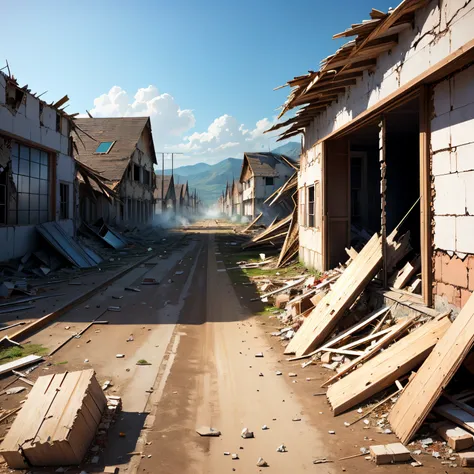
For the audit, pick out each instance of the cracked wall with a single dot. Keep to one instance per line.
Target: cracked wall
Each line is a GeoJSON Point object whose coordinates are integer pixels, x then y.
{"type": "Point", "coordinates": [452, 155]}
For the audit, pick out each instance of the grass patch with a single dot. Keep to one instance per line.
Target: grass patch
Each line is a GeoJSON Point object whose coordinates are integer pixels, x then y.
{"type": "Point", "coordinates": [16, 352]}
{"type": "Point", "coordinates": [61, 363]}
{"type": "Point", "coordinates": [143, 362]}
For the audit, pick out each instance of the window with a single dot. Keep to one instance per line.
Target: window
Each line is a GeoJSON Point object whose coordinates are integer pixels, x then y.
{"type": "Point", "coordinates": [63, 201]}
{"type": "Point", "coordinates": [136, 173]}
{"type": "Point", "coordinates": [104, 148]}
{"type": "Point", "coordinates": [268, 181]}
{"type": "Point", "coordinates": [3, 195]}
{"type": "Point", "coordinates": [311, 206]}
{"type": "Point", "coordinates": [29, 190]}
{"type": "Point", "coordinates": [302, 201]}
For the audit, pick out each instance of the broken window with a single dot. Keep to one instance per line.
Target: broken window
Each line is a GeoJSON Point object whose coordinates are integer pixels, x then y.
{"type": "Point", "coordinates": [310, 206]}
{"type": "Point", "coordinates": [268, 181]}
{"type": "Point", "coordinates": [104, 147]}
{"type": "Point", "coordinates": [30, 176]}
{"type": "Point", "coordinates": [136, 173]}
{"type": "Point", "coordinates": [63, 201]}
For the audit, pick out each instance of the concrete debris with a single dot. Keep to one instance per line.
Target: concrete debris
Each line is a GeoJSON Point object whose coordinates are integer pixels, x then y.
{"type": "Point", "coordinates": [235, 456]}
{"type": "Point", "coordinates": [416, 464]}
{"type": "Point", "coordinates": [86, 361]}
{"type": "Point", "coordinates": [117, 297]}
{"type": "Point", "coordinates": [389, 453]}
{"type": "Point", "coordinates": [292, 374]}
{"type": "Point", "coordinates": [207, 431]}
{"type": "Point", "coordinates": [296, 419]}
{"type": "Point", "coordinates": [331, 432]}
{"type": "Point", "coordinates": [95, 460]}
{"type": "Point", "coordinates": [426, 441]}
{"type": "Point", "coordinates": [246, 434]}
{"type": "Point", "coordinates": [321, 461]}
{"type": "Point", "coordinates": [130, 338]}
{"type": "Point", "coordinates": [435, 454]}
{"type": "Point", "coordinates": [281, 449]}
{"type": "Point", "coordinates": [119, 356]}
{"type": "Point", "coordinates": [129, 288]}
{"type": "Point", "coordinates": [262, 463]}
{"type": "Point", "coordinates": [278, 372]}
{"type": "Point", "coordinates": [417, 452]}
{"type": "Point", "coordinates": [14, 390]}
{"type": "Point", "coordinates": [226, 453]}
{"type": "Point", "coordinates": [106, 385]}
{"type": "Point", "coordinates": [114, 308]}
{"type": "Point", "coordinates": [179, 272]}
{"type": "Point", "coordinates": [259, 354]}
{"type": "Point", "coordinates": [264, 427]}
{"type": "Point", "coordinates": [260, 374]}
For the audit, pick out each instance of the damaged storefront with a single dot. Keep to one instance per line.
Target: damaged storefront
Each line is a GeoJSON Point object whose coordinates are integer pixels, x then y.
{"type": "Point", "coordinates": [37, 170]}
{"type": "Point", "coordinates": [387, 126]}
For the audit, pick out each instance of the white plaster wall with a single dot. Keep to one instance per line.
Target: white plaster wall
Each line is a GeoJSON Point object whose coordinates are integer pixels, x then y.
{"type": "Point", "coordinates": [310, 238]}
{"type": "Point", "coordinates": [440, 29]}
{"type": "Point", "coordinates": [452, 148]}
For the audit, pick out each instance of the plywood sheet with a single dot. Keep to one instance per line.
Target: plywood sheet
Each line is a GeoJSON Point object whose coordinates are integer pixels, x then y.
{"type": "Point", "coordinates": [423, 391]}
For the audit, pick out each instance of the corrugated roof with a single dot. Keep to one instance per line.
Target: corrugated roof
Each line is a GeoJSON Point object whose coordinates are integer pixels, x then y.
{"type": "Point", "coordinates": [124, 131]}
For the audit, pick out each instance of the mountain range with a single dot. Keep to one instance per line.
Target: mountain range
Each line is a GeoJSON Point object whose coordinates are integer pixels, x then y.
{"type": "Point", "coordinates": [210, 180]}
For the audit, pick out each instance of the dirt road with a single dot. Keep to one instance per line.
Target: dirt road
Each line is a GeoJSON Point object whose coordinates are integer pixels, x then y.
{"type": "Point", "coordinates": [199, 334]}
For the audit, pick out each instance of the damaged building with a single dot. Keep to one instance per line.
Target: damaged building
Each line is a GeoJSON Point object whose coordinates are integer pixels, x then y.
{"type": "Point", "coordinates": [37, 169]}
{"type": "Point", "coordinates": [122, 151]}
{"type": "Point", "coordinates": [261, 175]}
{"type": "Point", "coordinates": [387, 144]}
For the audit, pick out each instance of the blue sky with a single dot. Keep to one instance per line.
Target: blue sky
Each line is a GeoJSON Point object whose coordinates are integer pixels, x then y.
{"type": "Point", "coordinates": [212, 65]}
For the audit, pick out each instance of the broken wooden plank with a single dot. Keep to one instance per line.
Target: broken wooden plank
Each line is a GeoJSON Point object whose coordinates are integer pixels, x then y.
{"type": "Point", "coordinates": [253, 222]}
{"type": "Point", "coordinates": [457, 415]}
{"type": "Point", "coordinates": [318, 326]}
{"type": "Point", "coordinates": [386, 367]}
{"type": "Point", "coordinates": [16, 364]}
{"type": "Point", "coordinates": [397, 331]}
{"type": "Point", "coordinates": [279, 290]}
{"type": "Point", "coordinates": [406, 273]}
{"type": "Point", "coordinates": [424, 390]}
{"type": "Point", "coordinates": [455, 437]}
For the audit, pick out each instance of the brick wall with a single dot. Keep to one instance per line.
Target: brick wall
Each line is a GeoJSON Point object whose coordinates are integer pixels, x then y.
{"type": "Point", "coordinates": [452, 152]}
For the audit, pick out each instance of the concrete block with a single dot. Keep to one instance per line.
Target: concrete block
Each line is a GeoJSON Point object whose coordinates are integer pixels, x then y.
{"type": "Point", "coordinates": [32, 109]}
{"type": "Point", "coordinates": [456, 438]}
{"type": "Point", "coordinates": [462, 90]}
{"type": "Point", "coordinates": [468, 178]}
{"type": "Point", "coordinates": [441, 163]}
{"type": "Point", "coordinates": [445, 233]}
{"type": "Point", "coordinates": [442, 98]}
{"type": "Point", "coordinates": [389, 453]}
{"type": "Point", "coordinates": [466, 459]}
{"type": "Point", "coordinates": [462, 124]}
{"type": "Point", "coordinates": [450, 198]}
{"type": "Point", "coordinates": [465, 234]}
{"type": "Point", "coordinates": [465, 157]}
{"type": "Point", "coordinates": [440, 133]}
{"type": "Point", "coordinates": [461, 29]}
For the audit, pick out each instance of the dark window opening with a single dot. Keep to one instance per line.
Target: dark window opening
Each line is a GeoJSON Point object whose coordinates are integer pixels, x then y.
{"type": "Point", "coordinates": [146, 177]}
{"type": "Point", "coordinates": [58, 122]}
{"type": "Point", "coordinates": [29, 194]}
{"type": "Point", "coordinates": [268, 181]}
{"type": "Point", "coordinates": [136, 173]}
{"type": "Point", "coordinates": [14, 96]}
{"type": "Point", "coordinates": [311, 206]}
{"type": "Point", "coordinates": [63, 201]}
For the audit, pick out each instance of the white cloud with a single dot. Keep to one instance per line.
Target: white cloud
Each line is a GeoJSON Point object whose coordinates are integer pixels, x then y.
{"type": "Point", "coordinates": [167, 118]}
{"type": "Point", "coordinates": [224, 137]}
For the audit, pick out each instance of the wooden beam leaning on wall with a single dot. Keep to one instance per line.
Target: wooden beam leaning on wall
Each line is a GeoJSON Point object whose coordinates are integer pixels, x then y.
{"type": "Point", "coordinates": [426, 387]}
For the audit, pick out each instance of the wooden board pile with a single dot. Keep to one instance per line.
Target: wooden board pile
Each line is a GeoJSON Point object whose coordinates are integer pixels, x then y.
{"type": "Point", "coordinates": [57, 422]}
{"type": "Point", "coordinates": [373, 353]}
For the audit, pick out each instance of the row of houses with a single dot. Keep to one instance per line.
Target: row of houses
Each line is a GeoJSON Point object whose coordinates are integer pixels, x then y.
{"type": "Point", "coordinates": [56, 167]}
{"type": "Point", "coordinates": [261, 175]}
{"type": "Point", "coordinates": [387, 128]}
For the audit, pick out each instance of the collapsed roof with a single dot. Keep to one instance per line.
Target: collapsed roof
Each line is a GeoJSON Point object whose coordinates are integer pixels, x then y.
{"type": "Point", "coordinates": [315, 91]}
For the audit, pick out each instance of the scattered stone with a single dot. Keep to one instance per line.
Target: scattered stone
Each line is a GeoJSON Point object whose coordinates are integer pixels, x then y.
{"type": "Point", "coordinates": [226, 453]}
{"type": "Point", "coordinates": [130, 338]}
{"type": "Point", "coordinates": [416, 452]}
{"type": "Point", "coordinates": [119, 356]}
{"type": "Point", "coordinates": [114, 308]}
{"type": "Point", "coordinates": [359, 410]}
{"type": "Point", "coordinates": [260, 374]}
{"type": "Point", "coordinates": [416, 464]}
{"type": "Point", "coordinates": [259, 354]}
{"type": "Point", "coordinates": [264, 427]}
{"type": "Point", "coordinates": [281, 449]}
{"type": "Point", "coordinates": [207, 431]}
{"type": "Point", "coordinates": [292, 374]}
{"type": "Point", "coordinates": [262, 463]}
{"type": "Point", "coordinates": [67, 327]}
{"type": "Point", "coordinates": [235, 456]}
{"type": "Point", "coordinates": [179, 272]}
{"type": "Point", "coordinates": [95, 460]}
{"type": "Point", "coordinates": [321, 461]}
{"type": "Point", "coordinates": [296, 419]}
{"type": "Point", "coordinates": [86, 361]}
{"type": "Point", "coordinates": [246, 434]}
{"type": "Point", "coordinates": [346, 423]}
{"type": "Point", "coordinates": [435, 454]}
{"type": "Point", "coordinates": [366, 422]}
{"type": "Point", "coordinates": [427, 441]}
{"type": "Point", "coordinates": [331, 432]}
{"type": "Point", "coordinates": [278, 372]}
{"type": "Point", "coordinates": [106, 385]}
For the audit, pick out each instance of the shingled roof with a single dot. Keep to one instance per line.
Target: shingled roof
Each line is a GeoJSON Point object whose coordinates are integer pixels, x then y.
{"type": "Point", "coordinates": [124, 131]}
{"type": "Point", "coordinates": [263, 164]}
{"type": "Point", "coordinates": [168, 190]}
